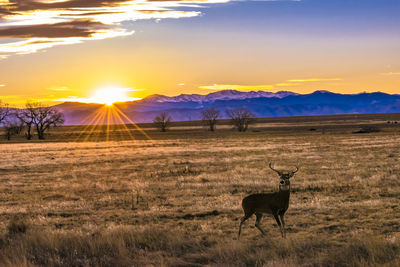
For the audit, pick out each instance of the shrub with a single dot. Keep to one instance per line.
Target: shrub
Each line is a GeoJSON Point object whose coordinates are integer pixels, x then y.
{"type": "Point", "coordinates": [368, 129]}
{"type": "Point", "coordinates": [17, 226]}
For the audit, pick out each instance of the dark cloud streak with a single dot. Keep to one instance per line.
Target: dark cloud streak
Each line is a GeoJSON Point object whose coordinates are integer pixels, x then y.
{"type": "Point", "coordinates": [33, 25]}
{"type": "Point", "coordinates": [82, 28]}
{"type": "Point", "coordinates": [29, 5]}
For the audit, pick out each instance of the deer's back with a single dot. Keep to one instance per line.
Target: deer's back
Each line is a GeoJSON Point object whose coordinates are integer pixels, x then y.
{"type": "Point", "coordinates": [264, 203]}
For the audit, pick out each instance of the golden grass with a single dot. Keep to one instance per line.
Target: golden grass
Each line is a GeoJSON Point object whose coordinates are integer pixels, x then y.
{"type": "Point", "coordinates": [175, 201]}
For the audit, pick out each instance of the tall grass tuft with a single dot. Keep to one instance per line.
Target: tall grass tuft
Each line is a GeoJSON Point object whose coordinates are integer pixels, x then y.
{"type": "Point", "coordinates": [122, 246]}
{"type": "Point", "coordinates": [17, 226]}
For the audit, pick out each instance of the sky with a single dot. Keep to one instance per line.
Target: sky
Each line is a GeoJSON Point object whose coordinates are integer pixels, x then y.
{"type": "Point", "coordinates": [68, 50]}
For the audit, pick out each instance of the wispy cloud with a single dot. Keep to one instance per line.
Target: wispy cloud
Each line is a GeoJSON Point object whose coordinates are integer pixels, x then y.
{"type": "Point", "coordinates": [314, 80]}
{"type": "Point", "coordinates": [28, 26]}
{"type": "Point", "coordinates": [287, 83]}
{"type": "Point", "coordinates": [2, 85]}
{"type": "Point", "coordinates": [391, 73]}
{"type": "Point", "coordinates": [59, 88]}
{"type": "Point", "coordinates": [8, 97]}
{"type": "Point", "coordinates": [236, 87]}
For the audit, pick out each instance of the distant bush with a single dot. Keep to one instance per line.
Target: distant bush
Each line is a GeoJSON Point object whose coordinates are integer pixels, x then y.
{"type": "Point", "coordinates": [368, 129]}
{"type": "Point", "coordinates": [241, 118]}
{"type": "Point", "coordinates": [209, 117]}
{"type": "Point", "coordinates": [162, 121]}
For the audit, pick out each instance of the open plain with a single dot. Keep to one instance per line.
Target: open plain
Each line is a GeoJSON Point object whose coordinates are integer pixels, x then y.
{"type": "Point", "coordinates": [111, 196]}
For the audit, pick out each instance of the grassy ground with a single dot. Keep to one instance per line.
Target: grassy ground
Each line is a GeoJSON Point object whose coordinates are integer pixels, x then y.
{"type": "Point", "coordinates": [175, 200]}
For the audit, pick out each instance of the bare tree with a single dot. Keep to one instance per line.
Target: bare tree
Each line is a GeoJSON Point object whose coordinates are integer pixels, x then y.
{"type": "Point", "coordinates": [44, 117]}
{"type": "Point", "coordinates": [12, 125]}
{"type": "Point", "coordinates": [241, 118]}
{"type": "Point", "coordinates": [26, 117]}
{"type": "Point", "coordinates": [162, 121]}
{"type": "Point", "coordinates": [4, 111]}
{"type": "Point", "coordinates": [210, 116]}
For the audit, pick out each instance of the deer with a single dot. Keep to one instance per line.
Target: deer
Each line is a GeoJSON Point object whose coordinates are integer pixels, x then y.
{"type": "Point", "coordinates": [275, 203]}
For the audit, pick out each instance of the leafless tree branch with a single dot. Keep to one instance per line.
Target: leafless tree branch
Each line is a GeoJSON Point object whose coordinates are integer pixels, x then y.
{"type": "Point", "coordinates": [210, 116]}
{"type": "Point", "coordinates": [241, 118]}
{"type": "Point", "coordinates": [162, 121]}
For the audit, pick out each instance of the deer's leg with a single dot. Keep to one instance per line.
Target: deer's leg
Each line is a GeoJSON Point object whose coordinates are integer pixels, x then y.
{"type": "Point", "coordinates": [281, 215]}
{"type": "Point", "coordinates": [245, 217]}
{"type": "Point", "coordinates": [258, 220]}
{"type": "Point", "coordinates": [278, 222]}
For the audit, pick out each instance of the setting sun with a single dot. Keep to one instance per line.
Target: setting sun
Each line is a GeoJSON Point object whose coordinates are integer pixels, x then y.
{"type": "Point", "coordinates": [107, 96]}
{"type": "Point", "coordinates": [111, 95]}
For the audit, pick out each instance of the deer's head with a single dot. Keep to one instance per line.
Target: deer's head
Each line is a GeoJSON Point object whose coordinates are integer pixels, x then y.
{"type": "Point", "coordinates": [284, 182]}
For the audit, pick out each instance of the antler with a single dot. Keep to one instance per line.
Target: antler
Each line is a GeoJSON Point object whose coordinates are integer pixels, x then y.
{"type": "Point", "coordinates": [272, 168]}
{"type": "Point", "coordinates": [297, 169]}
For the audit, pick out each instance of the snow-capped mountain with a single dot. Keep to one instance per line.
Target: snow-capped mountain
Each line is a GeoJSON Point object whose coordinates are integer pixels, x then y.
{"type": "Point", "coordinates": [220, 95]}
{"type": "Point", "coordinates": [261, 104]}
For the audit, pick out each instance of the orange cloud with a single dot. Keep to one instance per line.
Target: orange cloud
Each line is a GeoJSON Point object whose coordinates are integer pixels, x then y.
{"type": "Point", "coordinates": [287, 84]}
{"type": "Point", "coordinates": [60, 88]}
{"type": "Point", "coordinates": [264, 87]}
{"type": "Point", "coordinates": [391, 73]}
{"type": "Point", "coordinates": [314, 80]}
{"type": "Point", "coordinates": [219, 87]}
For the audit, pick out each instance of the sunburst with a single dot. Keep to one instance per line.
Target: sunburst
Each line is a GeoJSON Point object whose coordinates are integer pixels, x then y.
{"type": "Point", "coordinates": [111, 95]}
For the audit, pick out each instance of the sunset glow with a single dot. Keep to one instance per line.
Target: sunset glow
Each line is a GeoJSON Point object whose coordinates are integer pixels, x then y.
{"type": "Point", "coordinates": [111, 95]}
{"type": "Point", "coordinates": [107, 96]}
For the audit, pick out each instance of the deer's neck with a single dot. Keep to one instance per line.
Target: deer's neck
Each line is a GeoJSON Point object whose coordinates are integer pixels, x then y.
{"type": "Point", "coordinates": [284, 195]}
{"type": "Point", "coordinates": [284, 191]}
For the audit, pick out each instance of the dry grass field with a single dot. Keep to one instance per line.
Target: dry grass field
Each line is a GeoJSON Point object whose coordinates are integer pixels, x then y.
{"type": "Point", "coordinates": [175, 200]}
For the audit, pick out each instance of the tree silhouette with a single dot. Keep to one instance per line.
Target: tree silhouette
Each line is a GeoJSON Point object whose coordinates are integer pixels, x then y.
{"type": "Point", "coordinates": [241, 118]}
{"type": "Point", "coordinates": [44, 117]}
{"type": "Point", "coordinates": [4, 111]}
{"type": "Point", "coordinates": [12, 125]}
{"type": "Point", "coordinates": [210, 116]}
{"type": "Point", "coordinates": [162, 121]}
{"type": "Point", "coordinates": [25, 116]}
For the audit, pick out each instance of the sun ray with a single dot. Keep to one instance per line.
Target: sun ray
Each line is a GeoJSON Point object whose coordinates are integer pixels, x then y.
{"type": "Point", "coordinates": [103, 125]}
{"type": "Point", "coordinates": [91, 130]}
{"type": "Point", "coordinates": [96, 114]}
{"type": "Point", "coordinates": [94, 125]}
{"type": "Point", "coordinates": [123, 123]}
{"type": "Point", "coordinates": [90, 117]}
{"type": "Point", "coordinates": [108, 124]}
{"type": "Point", "coordinates": [129, 131]}
{"type": "Point", "coordinates": [133, 123]}
{"type": "Point", "coordinates": [98, 130]}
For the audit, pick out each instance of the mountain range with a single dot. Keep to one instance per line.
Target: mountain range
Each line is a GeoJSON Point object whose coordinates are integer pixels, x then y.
{"type": "Point", "coordinates": [260, 103]}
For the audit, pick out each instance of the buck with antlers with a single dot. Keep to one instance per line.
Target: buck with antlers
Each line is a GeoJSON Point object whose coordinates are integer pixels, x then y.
{"type": "Point", "coordinates": [275, 203]}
